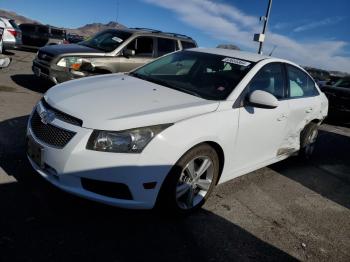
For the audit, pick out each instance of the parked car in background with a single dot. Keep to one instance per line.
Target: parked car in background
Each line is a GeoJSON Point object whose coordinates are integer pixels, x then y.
{"type": "Point", "coordinates": [4, 61]}
{"type": "Point", "coordinates": [319, 75]}
{"type": "Point", "coordinates": [35, 35]}
{"type": "Point", "coordinates": [2, 28]}
{"type": "Point", "coordinates": [74, 38]}
{"type": "Point", "coordinates": [170, 131]}
{"type": "Point", "coordinates": [12, 37]}
{"type": "Point", "coordinates": [338, 95]}
{"type": "Point", "coordinates": [109, 51]}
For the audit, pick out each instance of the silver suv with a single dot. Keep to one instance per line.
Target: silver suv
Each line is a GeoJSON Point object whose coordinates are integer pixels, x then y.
{"type": "Point", "coordinates": [110, 51]}
{"type": "Point", "coordinates": [12, 36]}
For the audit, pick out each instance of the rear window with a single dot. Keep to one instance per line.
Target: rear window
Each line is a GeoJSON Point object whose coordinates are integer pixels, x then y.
{"type": "Point", "coordinates": [166, 46]}
{"type": "Point", "coordinates": [186, 45]}
{"type": "Point", "coordinates": [13, 23]}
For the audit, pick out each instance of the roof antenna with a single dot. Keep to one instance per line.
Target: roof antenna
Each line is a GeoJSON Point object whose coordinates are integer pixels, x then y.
{"type": "Point", "coordinates": [273, 49]}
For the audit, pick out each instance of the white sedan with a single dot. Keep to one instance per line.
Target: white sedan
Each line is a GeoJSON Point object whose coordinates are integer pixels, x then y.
{"type": "Point", "coordinates": [170, 131]}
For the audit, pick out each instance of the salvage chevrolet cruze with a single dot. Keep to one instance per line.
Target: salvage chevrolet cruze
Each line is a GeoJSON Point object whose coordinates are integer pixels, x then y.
{"type": "Point", "coordinates": [170, 131]}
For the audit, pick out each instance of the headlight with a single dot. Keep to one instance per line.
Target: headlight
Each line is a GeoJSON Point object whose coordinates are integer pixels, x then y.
{"type": "Point", "coordinates": [71, 62]}
{"type": "Point", "coordinates": [127, 141]}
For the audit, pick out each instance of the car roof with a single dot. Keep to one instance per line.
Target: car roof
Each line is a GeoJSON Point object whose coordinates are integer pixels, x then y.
{"type": "Point", "coordinates": [248, 56]}
{"type": "Point", "coordinates": [138, 30]}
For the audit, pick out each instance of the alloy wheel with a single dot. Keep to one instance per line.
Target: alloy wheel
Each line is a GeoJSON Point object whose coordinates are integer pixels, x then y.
{"type": "Point", "coordinates": [194, 182]}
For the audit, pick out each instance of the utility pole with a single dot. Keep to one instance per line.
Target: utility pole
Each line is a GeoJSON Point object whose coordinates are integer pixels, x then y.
{"type": "Point", "coordinates": [261, 37]}
{"type": "Point", "coordinates": [117, 12]}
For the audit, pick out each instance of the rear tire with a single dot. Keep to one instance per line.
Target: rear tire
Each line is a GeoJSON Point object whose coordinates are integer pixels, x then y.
{"type": "Point", "coordinates": [308, 139]}
{"type": "Point", "coordinates": [190, 181]}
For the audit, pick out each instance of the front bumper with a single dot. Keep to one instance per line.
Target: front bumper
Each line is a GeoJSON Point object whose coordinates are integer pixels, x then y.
{"type": "Point", "coordinates": [54, 73]}
{"type": "Point", "coordinates": [67, 167]}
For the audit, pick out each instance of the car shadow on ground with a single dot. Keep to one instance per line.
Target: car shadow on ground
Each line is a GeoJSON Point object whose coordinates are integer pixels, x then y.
{"type": "Point", "coordinates": [32, 82]}
{"type": "Point", "coordinates": [28, 49]}
{"type": "Point", "coordinates": [7, 52]}
{"type": "Point", "coordinates": [41, 223]}
{"type": "Point", "coordinates": [328, 168]}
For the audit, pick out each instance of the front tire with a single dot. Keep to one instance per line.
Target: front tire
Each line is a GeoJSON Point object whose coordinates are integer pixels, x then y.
{"type": "Point", "coordinates": [191, 180]}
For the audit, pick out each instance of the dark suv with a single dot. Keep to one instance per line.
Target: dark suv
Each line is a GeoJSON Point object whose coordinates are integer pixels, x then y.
{"type": "Point", "coordinates": [109, 51]}
{"type": "Point", "coordinates": [36, 36]}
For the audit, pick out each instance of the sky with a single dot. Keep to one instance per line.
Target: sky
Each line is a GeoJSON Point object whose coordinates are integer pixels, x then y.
{"type": "Point", "coordinates": [308, 32]}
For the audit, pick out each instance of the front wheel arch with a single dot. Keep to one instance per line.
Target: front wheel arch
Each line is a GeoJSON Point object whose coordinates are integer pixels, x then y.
{"type": "Point", "coordinates": [215, 146]}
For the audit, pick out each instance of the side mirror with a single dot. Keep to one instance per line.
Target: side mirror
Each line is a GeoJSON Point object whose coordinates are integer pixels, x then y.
{"type": "Point", "coordinates": [263, 99]}
{"type": "Point", "coordinates": [4, 61]}
{"type": "Point", "coordinates": [128, 52]}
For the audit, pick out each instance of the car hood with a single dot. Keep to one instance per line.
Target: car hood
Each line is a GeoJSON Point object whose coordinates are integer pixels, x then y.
{"type": "Point", "coordinates": [119, 102]}
{"type": "Point", "coordinates": [56, 50]}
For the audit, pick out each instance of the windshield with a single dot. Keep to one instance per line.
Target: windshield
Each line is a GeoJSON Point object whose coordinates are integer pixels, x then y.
{"type": "Point", "coordinates": [107, 41]}
{"type": "Point", "coordinates": [208, 76]}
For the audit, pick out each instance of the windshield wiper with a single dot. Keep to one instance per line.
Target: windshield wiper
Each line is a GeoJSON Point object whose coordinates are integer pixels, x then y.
{"type": "Point", "coordinates": [143, 77]}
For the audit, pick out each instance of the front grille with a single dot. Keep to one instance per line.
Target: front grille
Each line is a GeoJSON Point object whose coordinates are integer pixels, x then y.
{"type": "Point", "coordinates": [109, 189]}
{"type": "Point", "coordinates": [49, 134]}
{"type": "Point", "coordinates": [43, 69]}
{"type": "Point", "coordinates": [63, 116]}
{"type": "Point", "coordinates": [44, 56]}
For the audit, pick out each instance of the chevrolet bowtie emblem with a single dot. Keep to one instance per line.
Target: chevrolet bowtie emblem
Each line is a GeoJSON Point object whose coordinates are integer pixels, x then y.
{"type": "Point", "coordinates": [47, 116]}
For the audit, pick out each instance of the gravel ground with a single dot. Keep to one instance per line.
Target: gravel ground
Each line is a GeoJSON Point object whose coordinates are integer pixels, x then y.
{"type": "Point", "coordinates": [292, 210]}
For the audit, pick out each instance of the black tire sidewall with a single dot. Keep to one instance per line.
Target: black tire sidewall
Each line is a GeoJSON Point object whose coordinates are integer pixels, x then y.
{"type": "Point", "coordinates": [167, 196]}
{"type": "Point", "coordinates": [304, 140]}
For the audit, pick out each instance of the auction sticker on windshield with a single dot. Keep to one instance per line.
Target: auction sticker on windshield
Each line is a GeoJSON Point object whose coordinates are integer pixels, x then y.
{"type": "Point", "coordinates": [236, 61]}
{"type": "Point", "coordinates": [117, 39]}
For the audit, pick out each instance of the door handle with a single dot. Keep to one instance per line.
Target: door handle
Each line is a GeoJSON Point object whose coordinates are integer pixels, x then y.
{"type": "Point", "coordinates": [309, 110]}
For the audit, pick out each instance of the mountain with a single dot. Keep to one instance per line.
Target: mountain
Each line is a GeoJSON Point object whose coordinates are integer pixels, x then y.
{"type": "Point", "coordinates": [91, 29]}
{"type": "Point", "coordinates": [18, 18]}
{"type": "Point", "coordinates": [86, 30]}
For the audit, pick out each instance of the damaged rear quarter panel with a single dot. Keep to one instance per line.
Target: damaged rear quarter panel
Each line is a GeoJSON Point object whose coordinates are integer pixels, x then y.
{"type": "Point", "coordinates": [302, 112]}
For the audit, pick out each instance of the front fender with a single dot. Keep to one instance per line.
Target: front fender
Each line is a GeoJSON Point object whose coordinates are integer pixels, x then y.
{"type": "Point", "coordinates": [171, 144]}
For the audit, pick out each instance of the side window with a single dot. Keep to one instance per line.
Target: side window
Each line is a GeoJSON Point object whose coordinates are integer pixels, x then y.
{"type": "Point", "coordinates": [300, 84]}
{"type": "Point", "coordinates": [43, 30]}
{"type": "Point", "coordinates": [166, 46]}
{"type": "Point", "coordinates": [27, 28]}
{"type": "Point", "coordinates": [187, 45]}
{"type": "Point", "coordinates": [143, 46]}
{"type": "Point", "coordinates": [269, 79]}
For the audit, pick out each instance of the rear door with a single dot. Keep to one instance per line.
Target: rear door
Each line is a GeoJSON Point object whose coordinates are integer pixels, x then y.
{"type": "Point", "coordinates": [262, 132]}
{"type": "Point", "coordinates": [304, 102]}
{"type": "Point", "coordinates": [166, 46]}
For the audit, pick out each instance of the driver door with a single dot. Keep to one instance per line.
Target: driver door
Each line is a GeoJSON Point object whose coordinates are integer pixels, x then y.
{"type": "Point", "coordinates": [262, 132]}
{"type": "Point", "coordinates": [144, 53]}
